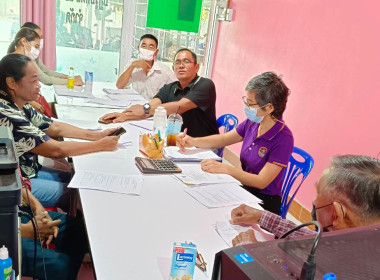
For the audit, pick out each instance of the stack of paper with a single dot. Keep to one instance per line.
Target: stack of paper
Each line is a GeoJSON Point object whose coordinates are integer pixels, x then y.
{"type": "Point", "coordinates": [190, 154]}
{"type": "Point", "coordinates": [222, 195]}
{"type": "Point", "coordinates": [110, 102]}
{"type": "Point", "coordinates": [120, 91]}
{"type": "Point", "coordinates": [228, 232]}
{"type": "Point", "coordinates": [126, 184]}
{"type": "Point", "coordinates": [192, 174]}
{"type": "Point", "coordinates": [62, 90]}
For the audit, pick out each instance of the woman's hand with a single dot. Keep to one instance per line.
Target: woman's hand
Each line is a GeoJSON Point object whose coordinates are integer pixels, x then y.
{"type": "Point", "coordinates": [37, 106]}
{"type": "Point", "coordinates": [213, 166]}
{"type": "Point", "coordinates": [107, 143]}
{"type": "Point", "coordinates": [184, 141]}
{"type": "Point", "coordinates": [48, 221]}
{"type": "Point", "coordinates": [104, 133]}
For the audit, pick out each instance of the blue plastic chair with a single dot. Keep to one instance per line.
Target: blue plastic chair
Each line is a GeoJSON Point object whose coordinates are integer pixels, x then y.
{"type": "Point", "coordinates": [294, 169]}
{"type": "Point", "coordinates": [229, 122]}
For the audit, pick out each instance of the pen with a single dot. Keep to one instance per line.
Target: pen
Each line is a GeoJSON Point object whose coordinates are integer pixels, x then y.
{"type": "Point", "coordinates": [155, 142]}
{"type": "Point", "coordinates": [159, 135]}
{"type": "Point", "coordinates": [184, 132]}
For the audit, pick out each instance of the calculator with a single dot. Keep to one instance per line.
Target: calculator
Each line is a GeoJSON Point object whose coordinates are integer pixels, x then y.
{"type": "Point", "coordinates": [156, 166]}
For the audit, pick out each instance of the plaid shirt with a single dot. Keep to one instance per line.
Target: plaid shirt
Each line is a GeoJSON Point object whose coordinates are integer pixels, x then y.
{"type": "Point", "coordinates": [278, 226]}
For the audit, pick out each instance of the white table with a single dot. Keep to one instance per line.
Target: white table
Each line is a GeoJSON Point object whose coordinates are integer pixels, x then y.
{"type": "Point", "coordinates": [131, 237]}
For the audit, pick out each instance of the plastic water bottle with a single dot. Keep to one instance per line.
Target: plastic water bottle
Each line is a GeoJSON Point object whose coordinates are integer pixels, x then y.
{"type": "Point", "coordinates": [5, 264]}
{"type": "Point", "coordinates": [71, 79]}
{"type": "Point", "coordinates": [159, 121]}
{"type": "Point", "coordinates": [89, 79]}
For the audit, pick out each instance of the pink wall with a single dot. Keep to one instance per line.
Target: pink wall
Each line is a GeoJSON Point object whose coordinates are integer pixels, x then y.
{"type": "Point", "coordinates": [329, 55]}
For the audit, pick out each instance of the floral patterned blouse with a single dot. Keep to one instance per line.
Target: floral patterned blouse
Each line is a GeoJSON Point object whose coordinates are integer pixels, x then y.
{"type": "Point", "coordinates": [28, 128]}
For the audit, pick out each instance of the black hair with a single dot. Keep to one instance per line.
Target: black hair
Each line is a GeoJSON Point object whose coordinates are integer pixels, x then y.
{"type": "Point", "coordinates": [270, 88]}
{"type": "Point", "coordinates": [28, 33]}
{"type": "Point", "coordinates": [149, 36]}
{"type": "Point", "coordinates": [12, 65]}
{"type": "Point", "coordinates": [187, 50]}
{"type": "Point", "coordinates": [31, 25]}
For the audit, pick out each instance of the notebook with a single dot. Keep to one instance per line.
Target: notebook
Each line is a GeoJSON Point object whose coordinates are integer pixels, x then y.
{"type": "Point", "coordinates": [190, 154]}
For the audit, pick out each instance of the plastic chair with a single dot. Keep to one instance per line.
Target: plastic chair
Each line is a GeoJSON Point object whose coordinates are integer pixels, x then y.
{"type": "Point", "coordinates": [229, 122]}
{"type": "Point", "coordinates": [294, 169]}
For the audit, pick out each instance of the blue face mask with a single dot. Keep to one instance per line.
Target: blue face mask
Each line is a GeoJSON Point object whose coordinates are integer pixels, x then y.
{"type": "Point", "coordinates": [251, 114]}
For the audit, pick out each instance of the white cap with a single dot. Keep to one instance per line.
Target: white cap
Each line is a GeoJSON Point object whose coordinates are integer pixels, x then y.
{"type": "Point", "coordinates": [4, 253]}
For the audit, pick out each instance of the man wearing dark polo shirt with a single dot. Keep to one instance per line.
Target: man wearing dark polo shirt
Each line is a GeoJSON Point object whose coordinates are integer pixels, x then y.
{"type": "Point", "coordinates": [193, 95]}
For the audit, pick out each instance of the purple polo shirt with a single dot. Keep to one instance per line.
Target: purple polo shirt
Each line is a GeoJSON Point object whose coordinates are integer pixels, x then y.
{"type": "Point", "coordinates": [275, 146]}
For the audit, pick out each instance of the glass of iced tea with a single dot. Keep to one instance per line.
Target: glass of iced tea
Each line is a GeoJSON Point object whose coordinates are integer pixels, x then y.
{"type": "Point", "coordinates": [174, 125]}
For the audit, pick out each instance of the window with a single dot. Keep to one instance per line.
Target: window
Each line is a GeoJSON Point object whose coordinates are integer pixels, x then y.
{"type": "Point", "coordinates": [169, 41]}
{"type": "Point", "coordinates": [9, 23]}
{"type": "Point", "coordinates": [88, 37]}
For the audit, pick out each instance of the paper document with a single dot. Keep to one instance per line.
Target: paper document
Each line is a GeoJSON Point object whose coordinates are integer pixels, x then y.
{"type": "Point", "coordinates": [192, 174]}
{"type": "Point", "coordinates": [222, 195]}
{"type": "Point", "coordinates": [190, 154]}
{"type": "Point", "coordinates": [91, 125]}
{"type": "Point", "coordinates": [127, 98]}
{"type": "Point", "coordinates": [146, 124]}
{"type": "Point", "coordinates": [126, 184]}
{"type": "Point", "coordinates": [120, 91]}
{"type": "Point", "coordinates": [110, 102]}
{"type": "Point", "coordinates": [62, 90]}
{"type": "Point", "coordinates": [228, 232]}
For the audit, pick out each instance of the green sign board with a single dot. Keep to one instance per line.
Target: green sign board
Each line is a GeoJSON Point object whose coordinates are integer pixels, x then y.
{"type": "Point", "coordinates": [181, 15]}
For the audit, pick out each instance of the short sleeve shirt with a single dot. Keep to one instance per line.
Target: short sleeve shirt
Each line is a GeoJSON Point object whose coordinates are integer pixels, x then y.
{"type": "Point", "coordinates": [275, 146]}
{"type": "Point", "coordinates": [200, 121]}
{"type": "Point", "coordinates": [149, 84]}
{"type": "Point", "coordinates": [27, 126]}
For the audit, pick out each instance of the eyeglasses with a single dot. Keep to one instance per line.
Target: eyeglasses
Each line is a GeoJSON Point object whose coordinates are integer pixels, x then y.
{"type": "Point", "coordinates": [200, 263]}
{"type": "Point", "coordinates": [184, 62]}
{"type": "Point", "coordinates": [341, 207]}
{"type": "Point", "coordinates": [250, 106]}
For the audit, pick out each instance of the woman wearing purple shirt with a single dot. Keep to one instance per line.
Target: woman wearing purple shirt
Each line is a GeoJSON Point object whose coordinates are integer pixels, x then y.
{"type": "Point", "coordinates": [267, 141]}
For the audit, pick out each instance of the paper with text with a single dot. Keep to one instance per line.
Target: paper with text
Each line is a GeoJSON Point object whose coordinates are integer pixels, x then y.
{"type": "Point", "coordinates": [192, 174]}
{"type": "Point", "coordinates": [189, 154]}
{"type": "Point", "coordinates": [221, 195]}
{"type": "Point", "coordinates": [126, 184]}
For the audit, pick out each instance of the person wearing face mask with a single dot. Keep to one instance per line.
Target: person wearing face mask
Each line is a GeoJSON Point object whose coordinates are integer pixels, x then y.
{"type": "Point", "coordinates": [267, 141]}
{"type": "Point", "coordinates": [348, 196]}
{"type": "Point", "coordinates": [47, 76]}
{"type": "Point", "coordinates": [146, 74]}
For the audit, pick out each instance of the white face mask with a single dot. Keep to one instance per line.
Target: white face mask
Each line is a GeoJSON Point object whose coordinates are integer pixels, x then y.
{"type": "Point", "coordinates": [146, 54]}
{"type": "Point", "coordinates": [33, 53]}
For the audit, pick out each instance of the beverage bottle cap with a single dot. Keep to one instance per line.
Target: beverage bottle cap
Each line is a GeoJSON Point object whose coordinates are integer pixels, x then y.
{"type": "Point", "coordinates": [4, 253]}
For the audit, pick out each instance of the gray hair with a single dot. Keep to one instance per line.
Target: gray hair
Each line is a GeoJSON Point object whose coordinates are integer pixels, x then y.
{"type": "Point", "coordinates": [270, 88]}
{"type": "Point", "coordinates": [355, 180]}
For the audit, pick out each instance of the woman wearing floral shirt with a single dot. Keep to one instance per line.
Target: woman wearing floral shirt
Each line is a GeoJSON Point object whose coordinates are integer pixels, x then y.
{"type": "Point", "coordinates": [32, 131]}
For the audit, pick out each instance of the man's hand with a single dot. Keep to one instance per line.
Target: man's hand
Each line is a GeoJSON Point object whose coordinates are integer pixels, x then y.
{"type": "Point", "coordinates": [245, 215]}
{"type": "Point", "coordinates": [244, 238]}
{"type": "Point", "coordinates": [114, 117]}
{"type": "Point", "coordinates": [135, 110]}
{"type": "Point", "coordinates": [213, 166]}
{"type": "Point", "coordinates": [142, 64]}
{"type": "Point", "coordinates": [78, 81]}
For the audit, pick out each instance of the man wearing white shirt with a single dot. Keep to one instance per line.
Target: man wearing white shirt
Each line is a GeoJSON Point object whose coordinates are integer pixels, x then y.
{"type": "Point", "coordinates": [147, 75]}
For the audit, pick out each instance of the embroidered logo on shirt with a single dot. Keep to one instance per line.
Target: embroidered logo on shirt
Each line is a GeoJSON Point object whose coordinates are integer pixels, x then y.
{"type": "Point", "coordinates": [262, 151]}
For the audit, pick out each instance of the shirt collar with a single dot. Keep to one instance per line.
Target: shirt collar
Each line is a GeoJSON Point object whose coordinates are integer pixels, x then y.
{"type": "Point", "coordinates": [189, 86]}
{"type": "Point", "coordinates": [271, 133]}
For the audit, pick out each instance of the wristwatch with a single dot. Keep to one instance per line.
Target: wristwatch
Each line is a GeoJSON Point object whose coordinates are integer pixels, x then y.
{"type": "Point", "coordinates": [146, 107]}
